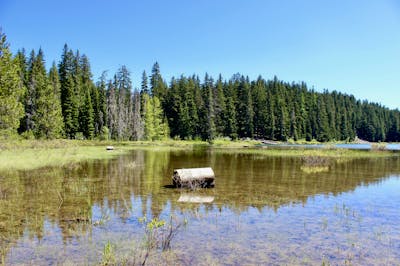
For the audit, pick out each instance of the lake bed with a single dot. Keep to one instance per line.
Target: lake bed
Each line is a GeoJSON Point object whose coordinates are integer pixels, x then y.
{"type": "Point", "coordinates": [264, 210]}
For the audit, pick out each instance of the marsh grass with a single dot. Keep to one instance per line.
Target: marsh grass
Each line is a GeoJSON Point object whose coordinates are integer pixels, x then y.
{"type": "Point", "coordinates": [314, 169]}
{"type": "Point", "coordinates": [32, 158]}
{"type": "Point", "coordinates": [334, 153]}
{"type": "Point", "coordinates": [316, 164]}
{"type": "Point", "coordinates": [32, 154]}
{"type": "Point", "coordinates": [153, 249]}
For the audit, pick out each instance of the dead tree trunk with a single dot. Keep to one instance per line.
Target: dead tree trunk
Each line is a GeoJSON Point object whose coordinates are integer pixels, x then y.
{"type": "Point", "coordinates": [193, 177]}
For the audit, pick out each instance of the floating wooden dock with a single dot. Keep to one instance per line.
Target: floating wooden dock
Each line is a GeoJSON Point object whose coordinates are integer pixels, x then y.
{"type": "Point", "coordinates": [193, 177]}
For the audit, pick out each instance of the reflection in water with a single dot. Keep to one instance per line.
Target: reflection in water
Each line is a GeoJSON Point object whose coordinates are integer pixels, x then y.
{"type": "Point", "coordinates": [257, 200]}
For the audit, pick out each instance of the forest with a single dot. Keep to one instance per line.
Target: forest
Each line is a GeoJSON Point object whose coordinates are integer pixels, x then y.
{"type": "Point", "coordinates": [65, 102]}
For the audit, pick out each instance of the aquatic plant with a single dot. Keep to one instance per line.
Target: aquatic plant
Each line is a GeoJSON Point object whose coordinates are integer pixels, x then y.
{"type": "Point", "coordinates": [108, 255]}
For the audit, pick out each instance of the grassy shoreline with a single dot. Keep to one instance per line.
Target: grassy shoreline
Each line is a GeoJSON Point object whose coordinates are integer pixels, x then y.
{"type": "Point", "coordinates": [31, 154]}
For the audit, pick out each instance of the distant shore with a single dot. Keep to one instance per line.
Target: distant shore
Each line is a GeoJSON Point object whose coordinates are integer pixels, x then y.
{"type": "Point", "coordinates": [31, 154]}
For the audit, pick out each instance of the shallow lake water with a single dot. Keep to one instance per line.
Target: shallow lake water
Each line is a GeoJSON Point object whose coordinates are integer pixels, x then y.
{"type": "Point", "coordinates": [263, 210]}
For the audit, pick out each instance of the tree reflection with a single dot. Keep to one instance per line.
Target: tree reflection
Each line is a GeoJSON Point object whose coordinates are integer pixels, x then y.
{"type": "Point", "coordinates": [65, 197]}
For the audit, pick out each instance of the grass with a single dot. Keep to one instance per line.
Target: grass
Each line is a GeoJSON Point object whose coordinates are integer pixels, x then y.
{"type": "Point", "coordinates": [314, 169]}
{"type": "Point", "coordinates": [28, 155]}
{"type": "Point", "coordinates": [334, 153]}
{"type": "Point", "coordinates": [32, 154]}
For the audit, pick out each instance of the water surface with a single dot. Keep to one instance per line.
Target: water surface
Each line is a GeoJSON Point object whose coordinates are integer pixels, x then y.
{"type": "Point", "coordinates": [263, 210]}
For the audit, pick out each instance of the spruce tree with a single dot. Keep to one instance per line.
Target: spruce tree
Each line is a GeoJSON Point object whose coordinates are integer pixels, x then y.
{"type": "Point", "coordinates": [87, 117]}
{"type": "Point", "coordinates": [11, 90]}
{"type": "Point", "coordinates": [69, 99]}
{"type": "Point", "coordinates": [101, 116]}
{"type": "Point", "coordinates": [209, 104]}
{"type": "Point", "coordinates": [31, 93]}
{"type": "Point", "coordinates": [88, 98]}
{"type": "Point", "coordinates": [144, 85]}
{"type": "Point", "coordinates": [112, 110]}
{"type": "Point", "coordinates": [155, 125]}
{"type": "Point", "coordinates": [56, 112]}
{"type": "Point", "coordinates": [260, 108]}
{"type": "Point", "coordinates": [47, 118]}
{"type": "Point", "coordinates": [231, 124]}
{"type": "Point", "coordinates": [157, 86]}
{"type": "Point", "coordinates": [22, 63]}
{"type": "Point", "coordinates": [220, 107]}
{"type": "Point", "coordinates": [137, 131]}
{"type": "Point", "coordinates": [245, 113]}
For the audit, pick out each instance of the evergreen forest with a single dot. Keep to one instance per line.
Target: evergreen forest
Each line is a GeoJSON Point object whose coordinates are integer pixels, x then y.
{"type": "Point", "coordinates": [65, 102]}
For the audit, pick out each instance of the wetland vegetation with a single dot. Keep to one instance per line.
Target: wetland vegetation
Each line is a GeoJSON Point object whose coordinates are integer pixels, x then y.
{"type": "Point", "coordinates": [276, 200]}
{"type": "Point", "coordinates": [265, 209]}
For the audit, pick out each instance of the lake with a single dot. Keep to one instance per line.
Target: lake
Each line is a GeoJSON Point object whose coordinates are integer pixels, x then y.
{"type": "Point", "coordinates": [262, 210]}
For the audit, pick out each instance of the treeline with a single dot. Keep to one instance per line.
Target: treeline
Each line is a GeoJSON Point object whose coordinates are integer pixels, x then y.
{"type": "Point", "coordinates": [65, 102]}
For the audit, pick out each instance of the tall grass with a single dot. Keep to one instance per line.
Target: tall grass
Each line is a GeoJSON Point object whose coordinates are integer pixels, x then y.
{"type": "Point", "coordinates": [335, 153]}
{"type": "Point", "coordinates": [31, 154]}
{"type": "Point", "coordinates": [32, 158]}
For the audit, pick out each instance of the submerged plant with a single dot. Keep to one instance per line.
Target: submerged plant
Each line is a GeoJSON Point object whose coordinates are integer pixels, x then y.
{"type": "Point", "coordinates": [108, 256]}
{"type": "Point", "coordinates": [158, 235]}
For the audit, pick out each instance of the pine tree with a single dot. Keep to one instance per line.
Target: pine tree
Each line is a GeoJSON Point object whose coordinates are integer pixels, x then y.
{"type": "Point", "coordinates": [322, 123]}
{"type": "Point", "coordinates": [100, 119]}
{"type": "Point", "coordinates": [112, 110]}
{"type": "Point", "coordinates": [144, 86]}
{"type": "Point", "coordinates": [69, 100]}
{"type": "Point", "coordinates": [138, 129]}
{"type": "Point", "coordinates": [22, 63]}
{"type": "Point", "coordinates": [220, 107]}
{"type": "Point", "coordinates": [173, 107]}
{"type": "Point", "coordinates": [209, 104]}
{"type": "Point", "coordinates": [245, 113]}
{"type": "Point", "coordinates": [158, 87]}
{"type": "Point", "coordinates": [87, 117]}
{"type": "Point", "coordinates": [87, 94]}
{"type": "Point", "coordinates": [11, 90]}
{"type": "Point", "coordinates": [149, 130]}
{"type": "Point", "coordinates": [55, 113]}
{"type": "Point", "coordinates": [30, 104]}
{"type": "Point", "coordinates": [231, 124]}
{"type": "Point", "coordinates": [47, 118]}
{"type": "Point", "coordinates": [260, 108]}
{"type": "Point", "coordinates": [155, 126]}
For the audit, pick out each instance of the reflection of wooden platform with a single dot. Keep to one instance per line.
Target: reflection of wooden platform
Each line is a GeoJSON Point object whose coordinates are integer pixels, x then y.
{"type": "Point", "coordinates": [195, 198]}
{"type": "Point", "coordinates": [194, 177]}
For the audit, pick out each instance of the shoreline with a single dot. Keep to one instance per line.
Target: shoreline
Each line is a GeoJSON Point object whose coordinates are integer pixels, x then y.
{"type": "Point", "coordinates": [33, 154]}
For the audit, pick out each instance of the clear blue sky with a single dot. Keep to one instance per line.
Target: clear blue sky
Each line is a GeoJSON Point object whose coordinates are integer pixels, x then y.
{"type": "Point", "coordinates": [344, 45]}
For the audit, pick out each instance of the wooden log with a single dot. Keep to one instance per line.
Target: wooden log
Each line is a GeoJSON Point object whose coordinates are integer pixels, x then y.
{"type": "Point", "coordinates": [193, 177]}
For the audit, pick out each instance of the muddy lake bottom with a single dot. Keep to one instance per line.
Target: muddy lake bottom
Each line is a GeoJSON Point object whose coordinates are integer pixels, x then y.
{"type": "Point", "coordinates": [262, 210]}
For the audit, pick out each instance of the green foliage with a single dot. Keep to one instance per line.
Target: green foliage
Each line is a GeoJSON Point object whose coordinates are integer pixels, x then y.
{"type": "Point", "coordinates": [66, 102]}
{"type": "Point", "coordinates": [87, 124]}
{"type": "Point", "coordinates": [28, 135]}
{"type": "Point", "coordinates": [104, 133]}
{"type": "Point", "coordinates": [11, 90]}
{"type": "Point", "coordinates": [108, 255]}
{"type": "Point", "coordinates": [47, 116]}
{"type": "Point", "coordinates": [69, 99]}
{"type": "Point", "coordinates": [155, 126]}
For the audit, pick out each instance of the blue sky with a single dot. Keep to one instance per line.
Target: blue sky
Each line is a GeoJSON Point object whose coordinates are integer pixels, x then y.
{"type": "Point", "coordinates": [349, 46]}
